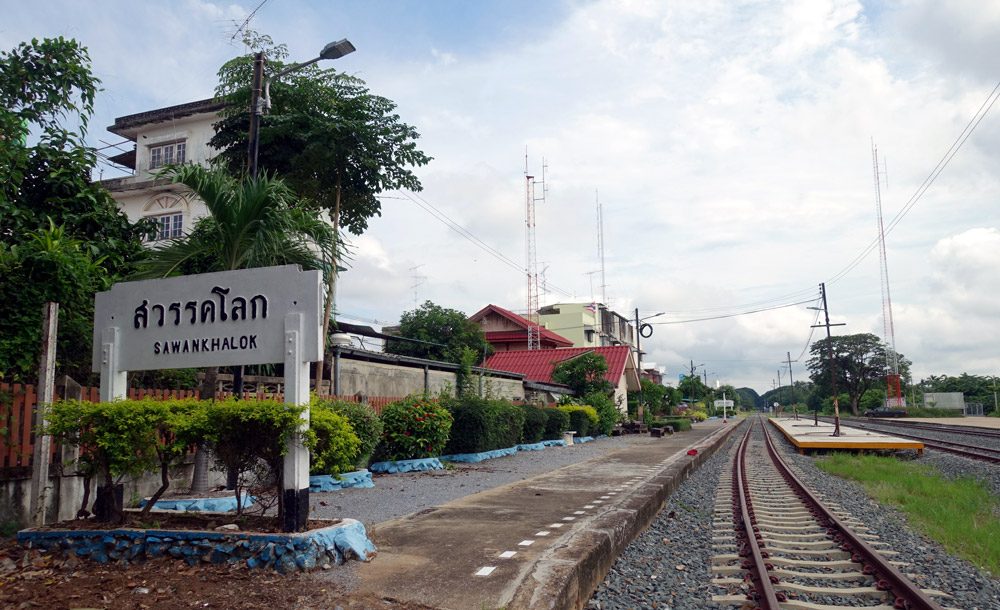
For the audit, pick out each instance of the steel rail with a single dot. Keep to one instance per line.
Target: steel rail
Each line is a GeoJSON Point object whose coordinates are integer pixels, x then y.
{"type": "Point", "coordinates": [763, 593]}
{"type": "Point", "coordinates": [950, 428]}
{"type": "Point", "coordinates": [907, 596]}
{"type": "Point", "coordinates": [974, 452]}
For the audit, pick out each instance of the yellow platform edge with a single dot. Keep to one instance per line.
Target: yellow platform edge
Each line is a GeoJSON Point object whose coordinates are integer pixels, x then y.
{"type": "Point", "coordinates": [847, 444]}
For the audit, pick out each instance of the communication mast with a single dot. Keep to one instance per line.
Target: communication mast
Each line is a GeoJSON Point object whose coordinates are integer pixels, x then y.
{"type": "Point", "coordinates": [530, 250]}
{"type": "Point", "coordinates": [894, 393]}
{"type": "Point", "coordinates": [600, 246]}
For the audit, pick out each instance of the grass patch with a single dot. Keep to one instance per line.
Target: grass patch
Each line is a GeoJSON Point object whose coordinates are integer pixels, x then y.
{"type": "Point", "coordinates": [959, 514]}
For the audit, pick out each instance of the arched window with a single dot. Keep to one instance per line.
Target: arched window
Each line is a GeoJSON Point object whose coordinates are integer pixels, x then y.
{"type": "Point", "coordinates": [168, 212]}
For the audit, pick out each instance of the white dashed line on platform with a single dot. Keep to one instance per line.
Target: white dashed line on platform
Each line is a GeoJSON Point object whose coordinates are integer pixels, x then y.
{"type": "Point", "coordinates": [485, 571]}
{"type": "Point", "coordinates": [526, 543]}
{"type": "Point", "coordinates": [542, 533]}
{"type": "Point", "coordinates": [507, 554]}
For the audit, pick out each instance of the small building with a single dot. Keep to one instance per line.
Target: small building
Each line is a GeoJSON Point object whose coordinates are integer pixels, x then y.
{"type": "Point", "coordinates": [172, 135]}
{"type": "Point", "coordinates": [588, 324]}
{"type": "Point", "coordinates": [507, 331]}
{"type": "Point", "coordinates": [537, 366]}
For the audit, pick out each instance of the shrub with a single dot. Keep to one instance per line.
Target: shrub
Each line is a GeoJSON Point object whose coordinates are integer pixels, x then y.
{"type": "Point", "coordinates": [694, 415]}
{"type": "Point", "coordinates": [333, 444]}
{"type": "Point", "coordinates": [556, 422]}
{"type": "Point", "coordinates": [415, 427]}
{"type": "Point", "coordinates": [365, 423]}
{"type": "Point", "coordinates": [582, 418]}
{"type": "Point", "coordinates": [535, 421]}
{"type": "Point", "coordinates": [484, 425]}
{"type": "Point", "coordinates": [679, 424]}
{"type": "Point", "coordinates": [607, 413]}
{"type": "Point", "coordinates": [245, 434]}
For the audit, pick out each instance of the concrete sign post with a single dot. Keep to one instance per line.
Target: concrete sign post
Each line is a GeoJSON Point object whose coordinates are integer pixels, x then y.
{"type": "Point", "coordinates": [251, 316]}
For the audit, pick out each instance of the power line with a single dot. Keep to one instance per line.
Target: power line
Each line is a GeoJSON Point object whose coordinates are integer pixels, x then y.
{"type": "Point", "coordinates": [970, 127]}
{"type": "Point", "coordinates": [733, 315]}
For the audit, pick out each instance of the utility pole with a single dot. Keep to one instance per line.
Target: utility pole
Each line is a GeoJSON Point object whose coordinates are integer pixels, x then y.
{"type": "Point", "coordinates": [829, 355]}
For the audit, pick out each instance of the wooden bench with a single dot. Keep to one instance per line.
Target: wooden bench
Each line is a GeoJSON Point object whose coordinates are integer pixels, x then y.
{"type": "Point", "coordinates": [659, 432]}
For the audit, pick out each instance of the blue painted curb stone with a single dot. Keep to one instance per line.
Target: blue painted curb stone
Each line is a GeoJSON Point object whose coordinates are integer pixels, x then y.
{"type": "Point", "coordinates": [583, 439]}
{"type": "Point", "coordinates": [479, 457]}
{"type": "Point", "coordinates": [342, 540]}
{"type": "Point", "coordinates": [327, 482]}
{"type": "Point", "coordinates": [554, 443]}
{"type": "Point", "coordinates": [397, 466]}
{"type": "Point", "coordinates": [215, 505]}
{"type": "Point", "coordinates": [531, 447]}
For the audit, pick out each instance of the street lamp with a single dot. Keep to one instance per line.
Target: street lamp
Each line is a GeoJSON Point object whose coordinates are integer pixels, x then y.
{"type": "Point", "coordinates": [641, 330]}
{"type": "Point", "coordinates": [261, 104]}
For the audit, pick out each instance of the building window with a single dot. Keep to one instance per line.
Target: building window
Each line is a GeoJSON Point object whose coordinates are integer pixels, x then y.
{"type": "Point", "coordinates": [167, 154]}
{"type": "Point", "coordinates": [167, 211]}
{"type": "Point", "coordinates": [168, 226]}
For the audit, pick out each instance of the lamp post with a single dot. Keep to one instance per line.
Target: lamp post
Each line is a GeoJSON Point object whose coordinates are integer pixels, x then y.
{"type": "Point", "coordinates": [641, 330]}
{"type": "Point", "coordinates": [260, 102]}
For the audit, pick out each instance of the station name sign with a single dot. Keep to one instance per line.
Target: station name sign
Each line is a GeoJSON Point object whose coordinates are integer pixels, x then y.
{"type": "Point", "coordinates": [211, 319]}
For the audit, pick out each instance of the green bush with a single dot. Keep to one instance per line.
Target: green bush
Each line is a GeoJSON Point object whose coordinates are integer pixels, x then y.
{"type": "Point", "coordinates": [556, 422]}
{"type": "Point", "coordinates": [582, 418]}
{"type": "Point", "coordinates": [127, 438]}
{"type": "Point", "coordinates": [415, 427]}
{"type": "Point", "coordinates": [534, 424]}
{"type": "Point", "coordinates": [364, 421]}
{"type": "Point", "coordinates": [679, 424]}
{"type": "Point", "coordinates": [243, 434]}
{"type": "Point", "coordinates": [484, 425]}
{"type": "Point", "coordinates": [607, 413]}
{"type": "Point", "coordinates": [333, 444]}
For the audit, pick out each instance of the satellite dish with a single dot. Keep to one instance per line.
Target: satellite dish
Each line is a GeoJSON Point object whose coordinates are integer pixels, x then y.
{"type": "Point", "coordinates": [341, 340]}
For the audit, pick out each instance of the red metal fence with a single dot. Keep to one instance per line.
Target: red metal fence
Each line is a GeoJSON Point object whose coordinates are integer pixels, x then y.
{"type": "Point", "coordinates": [17, 409]}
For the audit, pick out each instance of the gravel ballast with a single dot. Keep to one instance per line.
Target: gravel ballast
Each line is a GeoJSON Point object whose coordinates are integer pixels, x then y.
{"type": "Point", "coordinates": [668, 566]}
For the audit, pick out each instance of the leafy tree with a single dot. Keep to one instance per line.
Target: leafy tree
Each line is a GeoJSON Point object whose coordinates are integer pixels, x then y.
{"type": "Point", "coordinates": [584, 374]}
{"type": "Point", "coordinates": [977, 388]}
{"type": "Point", "coordinates": [654, 396]}
{"type": "Point", "coordinates": [447, 333]}
{"type": "Point", "coordinates": [47, 89]}
{"type": "Point", "coordinates": [692, 388]}
{"type": "Point", "coordinates": [749, 398]}
{"type": "Point", "coordinates": [48, 266]}
{"type": "Point", "coordinates": [859, 364]}
{"type": "Point", "coordinates": [336, 143]}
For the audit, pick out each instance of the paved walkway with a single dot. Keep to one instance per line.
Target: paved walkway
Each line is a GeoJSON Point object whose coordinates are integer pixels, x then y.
{"type": "Point", "coordinates": [544, 542]}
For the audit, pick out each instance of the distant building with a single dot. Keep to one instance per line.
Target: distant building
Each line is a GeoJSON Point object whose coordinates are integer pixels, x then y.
{"type": "Point", "coordinates": [588, 324]}
{"type": "Point", "coordinates": [172, 135]}
{"type": "Point", "coordinates": [537, 365]}
{"type": "Point", "coordinates": [652, 374]}
{"type": "Point", "coordinates": [952, 401]}
{"type": "Point", "coordinates": [506, 331]}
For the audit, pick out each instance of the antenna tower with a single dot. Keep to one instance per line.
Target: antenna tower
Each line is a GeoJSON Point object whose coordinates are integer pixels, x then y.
{"type": "Point", "coordinates": [600, 246]}
{"type": "Point", "coordinates": [894, 394]}
{"type": "Point", "coordinates": [530, 249]}
{"type": "Point", "coordinates": [418, 281]}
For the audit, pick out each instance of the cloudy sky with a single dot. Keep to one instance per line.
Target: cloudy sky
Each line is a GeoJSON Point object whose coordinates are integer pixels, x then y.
{"type": "Point", "coordinates": [728, 141]}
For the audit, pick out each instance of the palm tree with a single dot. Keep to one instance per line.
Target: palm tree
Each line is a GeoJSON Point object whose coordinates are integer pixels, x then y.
{"type": "Point", "coordinates": [251, 222]}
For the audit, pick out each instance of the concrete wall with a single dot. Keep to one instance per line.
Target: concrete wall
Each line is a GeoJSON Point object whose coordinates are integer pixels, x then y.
{"type": "Point", "coordinates": [381, 379]}
{"type": "Point", "coordinates": [67, 493]}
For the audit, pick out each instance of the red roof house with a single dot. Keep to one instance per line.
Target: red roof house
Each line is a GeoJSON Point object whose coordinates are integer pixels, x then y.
{"type": "Point", "coordinates": [505, 330]}
{"type": "Point", "coordinates": [537, 365]}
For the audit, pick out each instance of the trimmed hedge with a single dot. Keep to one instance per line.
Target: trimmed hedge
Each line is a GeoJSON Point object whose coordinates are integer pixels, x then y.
{"type": "Point", "coordinates": [484, 425]}
{"type": "Point", "coordinates": [334, 444]}
{"type": "Point", "coordinates": [556, 422]}
{"type": "Point", "coordinates": [414, 428]}
{"type": "Point", "coordinates": [583, 419]}
{"type": "Point", "coordinates": [364, 421]}
{"type": "Point", "coordinates": [535, 421]}
{"type": "Point", "coordinates": [679, 424]}
{"type": "Point", "coordinates": [607, 413]}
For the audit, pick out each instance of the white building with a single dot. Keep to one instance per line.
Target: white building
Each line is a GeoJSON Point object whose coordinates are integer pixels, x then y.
{"type": "Point", "coordinates": [176, 134]}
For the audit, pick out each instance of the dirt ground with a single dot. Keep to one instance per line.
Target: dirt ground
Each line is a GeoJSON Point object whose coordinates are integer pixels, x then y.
{"type": "Point", "coordinates": [32, 579]}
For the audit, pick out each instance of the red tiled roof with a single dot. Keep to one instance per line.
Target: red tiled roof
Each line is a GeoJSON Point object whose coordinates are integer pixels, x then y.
{"type": "Point", "coordinates": [537, 365]}
{"type": "Point", "coordinates": [501, 336]}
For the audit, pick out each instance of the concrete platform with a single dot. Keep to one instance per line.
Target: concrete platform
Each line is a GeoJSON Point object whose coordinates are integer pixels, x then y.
{"type": "Point", "coordinates": [545, 542]}
{"type": "Point", "coordinates": [805, 435]}
{"type": "Point", "coordinates": [992, 423]}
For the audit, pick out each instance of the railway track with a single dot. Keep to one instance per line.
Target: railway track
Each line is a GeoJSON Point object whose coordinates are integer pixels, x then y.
{"type": "Point", "coordinates": [897, 423]}
{"type": "Point", "coordinates": [778, 546]}
{"type": "Point", "coordinates": [975, 452]}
